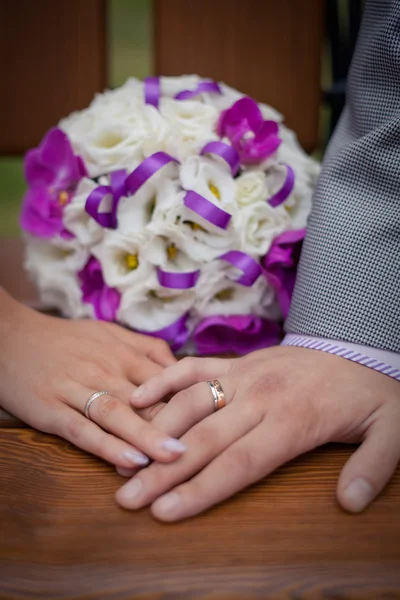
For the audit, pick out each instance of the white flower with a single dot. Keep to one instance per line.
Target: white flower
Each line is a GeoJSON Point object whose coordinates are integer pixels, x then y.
{"type": "Point", "coordinates": [258, 224]}
{"type": "Point", "coordinates": [124, 259]}
{"type": "Point", "coordinates": [86, 230]}
{"type": "Point", "coordinates": [191, 126]}
{"type": "Point", "coordinates": [171, 86]}
{"type": "Point", "coordinates": [198, 238]}
{"type": "Point", "coordinates": [54, 268]}
{"type": "Point", "coordinates": [251, 187]}
{"type": "Point", "coordinates": [225, 297]}
{"type": "Point", "coordinates": [156, 307]}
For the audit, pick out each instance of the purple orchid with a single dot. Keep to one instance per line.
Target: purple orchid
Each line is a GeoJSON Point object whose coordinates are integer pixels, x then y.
{"type": "Point", "coordinates": [52, 172]}
{"type": "Point", "coordinates": [105, 300]}
{"type": "Point", "coordinates": [235, 334]}
{"type": "Point", "coordinates": [280, 265]}
{"type": "Point", "coordinates": [253, 138]}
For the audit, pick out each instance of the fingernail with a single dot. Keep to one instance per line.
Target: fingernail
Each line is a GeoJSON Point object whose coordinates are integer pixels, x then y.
{"type": "Point", "coordinates": [131, 490]}
{"type": "Point", "coordinates": [168, 503]}
{"type": "Point", "coordinates": [173, 445]}
{"type": "Point", "coordinates": [358, 494]}
{"type": "Point", "coordinates": [136, 458]}
{"type": "Point", "coordinates": [138, 393]}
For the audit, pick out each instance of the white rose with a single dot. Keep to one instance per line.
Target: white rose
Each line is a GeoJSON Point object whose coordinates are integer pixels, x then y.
{"type": "Point", "coordinates": [54, 268]}
{"type": "Point", "coordinates": [258, 224]}
{"type": "Point", "coordinates": [251, 187]}
{"type": "Point", "coordinates": [191, 126]}
{"type": "Point", "coordinates": [86, 230]}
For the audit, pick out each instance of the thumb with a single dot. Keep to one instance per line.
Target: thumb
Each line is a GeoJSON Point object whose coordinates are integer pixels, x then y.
{"type": "Point", "coordinates": [371, 466]}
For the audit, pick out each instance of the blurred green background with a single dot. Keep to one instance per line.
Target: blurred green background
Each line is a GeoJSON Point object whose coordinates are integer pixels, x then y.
{"type": "Point", "coordinates": [130, 45]}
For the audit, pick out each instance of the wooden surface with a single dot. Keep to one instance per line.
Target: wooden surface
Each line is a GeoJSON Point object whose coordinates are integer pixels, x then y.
{"type": "Point", "coordinates": [63, 537]}
{"type": "Point", "coordinates": [52, 61]}
{"type": "Point", "coordinates": [268, 49]}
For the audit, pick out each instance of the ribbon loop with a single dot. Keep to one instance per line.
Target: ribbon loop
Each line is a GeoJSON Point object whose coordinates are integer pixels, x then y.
{"type": "Point", "coordinates": [224, 151]}
{"type": "Point", "coordinates": [206, 209]}
{"type": "Point", "coordinates": [152, 91]}
{"type": "Point", "coordinates": [204, 87]}
{"type": "Point", "coordinates": [178, 281]}
{"type": "Point", "coordinates": [116, 189]}
{"type": "Point", "coordinates": [147, 169]}
{"type": "Point", "coordinates": [250, 268]}
{"type": "Point", "coordinates": [284, 192]}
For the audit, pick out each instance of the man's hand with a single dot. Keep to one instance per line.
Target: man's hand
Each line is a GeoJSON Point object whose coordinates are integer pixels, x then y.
{"type": "Point", "coordinates": [281, 402]}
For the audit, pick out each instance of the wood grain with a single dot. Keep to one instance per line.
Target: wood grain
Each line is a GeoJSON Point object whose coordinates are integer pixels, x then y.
{"type": "Point", "coordinates": [52, 61]}
{"type": "Point", "coordinates": [269, 50]}
{"type": "Point", "coordinates": [64, 537]}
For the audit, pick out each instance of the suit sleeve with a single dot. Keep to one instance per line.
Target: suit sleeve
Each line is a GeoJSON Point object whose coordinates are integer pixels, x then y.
{"type": "Point", "coordinates": [348, 283]}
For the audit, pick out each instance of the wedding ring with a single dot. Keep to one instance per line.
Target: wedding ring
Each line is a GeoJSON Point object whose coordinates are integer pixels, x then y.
{"type": "Point", "coordinates": [92, 398]}
{"type": "Point", "coordinates": [218, 394]}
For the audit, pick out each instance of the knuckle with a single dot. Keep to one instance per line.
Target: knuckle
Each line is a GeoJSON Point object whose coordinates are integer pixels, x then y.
{"type": "Point", "coordinates": [105, 404]}
{"type": "Point", "coordinates": [148, 414]}
{"type": "Point", "coordinates": [243, 461]}
{"type": "Point", "coordinates": [74, 428]}
{"type": "Point", "coordinates": [94, 373]}
{"type": "Point", "coordinates": [267, 385]}
{"type": "Point", "coordinates": [190, 364]}
{"type": "Point", "coordinates": [203, 436]}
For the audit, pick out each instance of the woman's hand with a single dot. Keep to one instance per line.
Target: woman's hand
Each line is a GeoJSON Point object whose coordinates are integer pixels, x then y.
{"type": "Point", "coordinates": [50, 367]}
{"type": "Point", "coordinates": [281, 403]}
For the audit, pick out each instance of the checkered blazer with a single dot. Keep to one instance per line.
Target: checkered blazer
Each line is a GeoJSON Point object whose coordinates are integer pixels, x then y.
{"type": "Point", "coordinates": [348, 285]}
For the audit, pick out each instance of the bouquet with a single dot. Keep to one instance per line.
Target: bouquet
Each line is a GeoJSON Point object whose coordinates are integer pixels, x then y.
{"type": "Point", "coordinates": [174, 206]}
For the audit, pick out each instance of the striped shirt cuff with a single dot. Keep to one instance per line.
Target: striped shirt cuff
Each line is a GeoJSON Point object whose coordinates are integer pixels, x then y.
{"type": "Point", "coordinates": [383, 361]}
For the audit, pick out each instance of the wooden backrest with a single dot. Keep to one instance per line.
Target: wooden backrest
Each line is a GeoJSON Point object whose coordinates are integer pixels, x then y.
{"type": "Point", "coordinates": [54, 57]}
{"type": "Point", "coordinates": [53, 60]}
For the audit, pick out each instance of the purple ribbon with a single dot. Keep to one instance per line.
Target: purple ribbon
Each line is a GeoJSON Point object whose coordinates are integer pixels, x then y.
{"type": "Point", "coordinates": [226, 152]}
{"type": "Point", "coordinates": [147, 169]}
{"type": "Point", "coordinates": [175, 334]}
{"type": "Point", "coordinates": [152, 91]}
{"type": "Point", "coordinates": [285, 190]}
{"type": "Point", "coordinates": [117, 190]}
{"type": "Point", "coordinates": [177, 281]}
{"type": "Point", "coordinates": [250, 268]}
{"type": "Point", "coordinates": [205, 87]}
{"type": "Point", "coordinates": [206, 209]}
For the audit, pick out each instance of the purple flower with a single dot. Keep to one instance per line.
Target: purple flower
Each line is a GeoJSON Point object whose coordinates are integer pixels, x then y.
{"type": "Point", "coordinates": [105, 300]}
{"type": "Point", "coordinates": [253, 138]}
{"type": "Point", "coordinates": [235, 334]}
{"type": "Point", "coordinates": [280, 265]}
{"type": "Point", "coordinates": [52, 172]}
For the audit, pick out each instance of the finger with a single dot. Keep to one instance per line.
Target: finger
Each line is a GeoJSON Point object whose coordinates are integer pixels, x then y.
{"type": "Point", "coordinates": [141, 370]}
{"type": "Point", "coordinates": [117, 418]}
{"type": "Point", "coordinates": [156, 349]}
{"type": "Point", "coordinates": [207, 439]}
{"type": "Point", "coordinates": [185, 373]}
{"type": "Point", "coordinates": [124, 472]}
{"type": "Point", "coordinates": [241, 464]}
{"type": "Point", "coordinates": [81, 432]}
{"type": "Point", "coordinates": [370, 467]}
{"type": "Point", "coordinates": [186, 409]}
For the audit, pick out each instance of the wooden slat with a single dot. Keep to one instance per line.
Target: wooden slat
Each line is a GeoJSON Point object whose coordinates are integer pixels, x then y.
{"type": "Point", "coordinates": [12, 275]}
{"type": "Point", "coordinates": [63, 536]}
{"type": "Point", "coordinates": [53, 60]}
{"type": "Point", "coordinates": [267, 49]}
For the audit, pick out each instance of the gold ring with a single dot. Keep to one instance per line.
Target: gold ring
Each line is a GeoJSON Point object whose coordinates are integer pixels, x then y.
{"type": "Point", "coordinates": [218, 394]}
{"type": "Point", "coordinates": [92, 398]}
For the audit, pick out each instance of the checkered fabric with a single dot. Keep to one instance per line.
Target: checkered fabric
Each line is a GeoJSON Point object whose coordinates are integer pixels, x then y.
{"type": "Point", "coordinates": [348, 285]}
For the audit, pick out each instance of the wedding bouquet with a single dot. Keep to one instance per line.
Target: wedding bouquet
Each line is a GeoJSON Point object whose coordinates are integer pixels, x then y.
{"type": "Point", "coordinates": [174, 206]}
